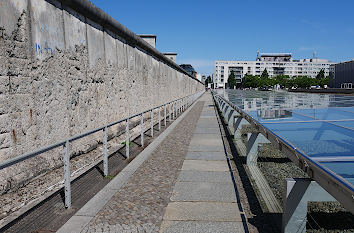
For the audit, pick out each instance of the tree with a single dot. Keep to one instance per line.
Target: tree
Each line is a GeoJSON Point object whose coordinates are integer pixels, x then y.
{"type": "Point", "coordinates": [320, 74]}
{"type": "Point", "coordinates": [265, 74]}
{"type": "Point", "coordinates": [232, 80]}
{"type": "Point", "coordinates": [207, 80]}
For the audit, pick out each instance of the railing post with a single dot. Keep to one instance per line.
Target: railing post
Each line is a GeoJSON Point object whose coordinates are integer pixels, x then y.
{"type": "Point", "coordinates": [127, 138]}
{"type": "Point", "coordinates": [175, 108]}
{"type": "Point", "coordinates": [105, 155]}
{"type": "Point", "coordinates": [165, 114]}
{"type": "Point", "coordinates": [67, 187]}
{"type": "Point", "coordinates": [172, 110]}
{"type": "Point", "coordinates": [152, 123]}
{"type": "Point", "coordinates": [142, 129]}
{"type": "Point", "coordinates": [159, 118]}
{"type": "Point", "coordinates": [179, 107]}
{"type": "Point", "coordinates": [169, 112]}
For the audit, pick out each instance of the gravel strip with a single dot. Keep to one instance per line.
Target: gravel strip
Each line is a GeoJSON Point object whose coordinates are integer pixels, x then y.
{"type": "Point", "coordinates": [139, 206]}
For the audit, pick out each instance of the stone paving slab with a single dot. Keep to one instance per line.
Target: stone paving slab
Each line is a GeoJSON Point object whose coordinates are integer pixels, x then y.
{"type": "Point", "coordinates": [202, 211]}
{"type": "Point", "coordinates": [200, 140]}
{"type": "Point", "coordinates": [200, 165]}
{"type": "Point", "coordinates": [203, 191]}
{"type": "Point", "coordinates": [208, 116]}
{"type": "Point", "coordinates": [209, 112]}
{"type": "Point", "coordinates": [204, 176]}
{"type": "Point", "coordinates": [207, 123]}
{"type": "Point", "coordinates": [200, 130]}
{"type": "Point", "coordinates": [206, 148]}
{"type": "Point", "coordinates": [212, 155]}
{"type": "Point", "coordinates": [201, 227]}
{"type": "Point", "coordinates": [209, 136]}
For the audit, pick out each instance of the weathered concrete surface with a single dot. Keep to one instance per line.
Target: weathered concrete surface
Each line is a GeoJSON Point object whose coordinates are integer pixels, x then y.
{"type": "Point", "coordinates": [62, 74]}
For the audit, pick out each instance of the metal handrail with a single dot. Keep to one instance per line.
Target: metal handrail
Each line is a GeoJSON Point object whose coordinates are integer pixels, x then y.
{"type": "Point", "coordinates": [178, 105]}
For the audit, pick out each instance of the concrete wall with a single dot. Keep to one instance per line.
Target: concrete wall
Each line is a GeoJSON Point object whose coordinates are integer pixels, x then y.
{"type": "Point", "coordinates": [62, 74]}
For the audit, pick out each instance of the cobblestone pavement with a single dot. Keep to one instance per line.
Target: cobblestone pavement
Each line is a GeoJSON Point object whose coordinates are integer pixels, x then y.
{"type": "Point", "coordinates": [139, 205]}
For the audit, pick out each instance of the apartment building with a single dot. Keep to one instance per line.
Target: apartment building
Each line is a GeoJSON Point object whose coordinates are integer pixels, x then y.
{"type": "Point", "coordinates": [275, 63]}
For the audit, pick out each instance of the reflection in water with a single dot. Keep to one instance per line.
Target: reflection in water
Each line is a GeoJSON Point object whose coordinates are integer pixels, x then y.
{"type": "Point", "coordinates": [273, 114]}
{"type": "Point", "coordinates": [250, 100]}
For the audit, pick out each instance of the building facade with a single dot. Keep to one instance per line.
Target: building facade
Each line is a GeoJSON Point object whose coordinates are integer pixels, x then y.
{"type": "Point", "coordinates": [190, 70]}
{"type": "Point", "coordinates": [172, 56]}
{"type": "Point", "coordinates": [343, 75]}
{"type": "Point", "coordinates": [149, 38]}
{"type": "Point", "coordinates": [276, 64]}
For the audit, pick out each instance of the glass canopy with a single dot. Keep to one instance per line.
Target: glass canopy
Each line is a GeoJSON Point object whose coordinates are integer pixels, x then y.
{"type": "Point", "coordinates": [319, 125]}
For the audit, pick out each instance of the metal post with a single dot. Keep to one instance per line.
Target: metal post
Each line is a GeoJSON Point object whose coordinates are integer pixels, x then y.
{"type": "Point", "coordinates": [142, 129]}
{"type": "Point", "coordinates": [179, 107]}
{"type": "Point", "coordinates": [105, 156]}
{"type": "Point", "coordinates": [67, 187]}
{"type": "Point", "coordinates": [298, 192]}
{"type": "Point", "coordinates": [169, 112]}
{"type": "Point", "coordinates": [165, 114]}
{"type": "Point", "coordinates": [152, 123]}
{"type": "Point", "coordinates": [159, 118]}
{"type": "Point", "coordinates": [175, 109]}
{"type": "Point", "coordinates": [127, 138]}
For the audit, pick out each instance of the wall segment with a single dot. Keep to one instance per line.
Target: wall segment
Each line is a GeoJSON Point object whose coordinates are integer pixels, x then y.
{"type": "Point", "coordinates": [67, 67]}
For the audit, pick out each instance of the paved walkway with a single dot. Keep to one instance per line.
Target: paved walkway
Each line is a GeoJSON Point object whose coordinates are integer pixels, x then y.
{"type": "Point", "coordinates": [180, 183]}
{"type": "Point", "coordinates": [203, 198]}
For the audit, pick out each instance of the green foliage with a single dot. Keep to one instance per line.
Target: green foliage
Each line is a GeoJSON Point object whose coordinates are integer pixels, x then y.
{"type": "Point", "coordinates": [232, 80]}
{"type": "Point", "coordinates": [320, 74]}
{"type": "Point", "coordinates": [265, 74]}
{"type": "Point", "coordinates": [130, 143]}
{"type": "Point", "coordinates": [207, 80]}
{"type": "Point", "coordinates": [282, 80]}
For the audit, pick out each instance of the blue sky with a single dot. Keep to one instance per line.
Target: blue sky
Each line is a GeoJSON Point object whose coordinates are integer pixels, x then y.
{"type": "Point", "coordinates": [204, 31]}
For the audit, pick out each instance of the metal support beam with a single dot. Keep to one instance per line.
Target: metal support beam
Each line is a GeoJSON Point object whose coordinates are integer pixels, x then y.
{"type": "Point", "coordinates": [239, 123]}
{"type": "Point", "coordinates": [67, 187]}
{"type": "Point", "coordinates": [142, 129]}
{"type": "Point", "coordinates": [127, 138]}
{"type": "Point", "coordinates": [169, 112]}
{"type": "Point", "coordinates": [299, 191]}
{"type": "Point", "coordinates": [159, 118]}
{"type": "Point", "coordinates": [254, 140]}
{"type": "Point", "coordinates": [164, 110]}
{"type": "Point", "coordinates": [174, 110]}
{"type": "Point", "coordinates": [105, 154]}
{"type": "Point", "coordinates": [152, 123]}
